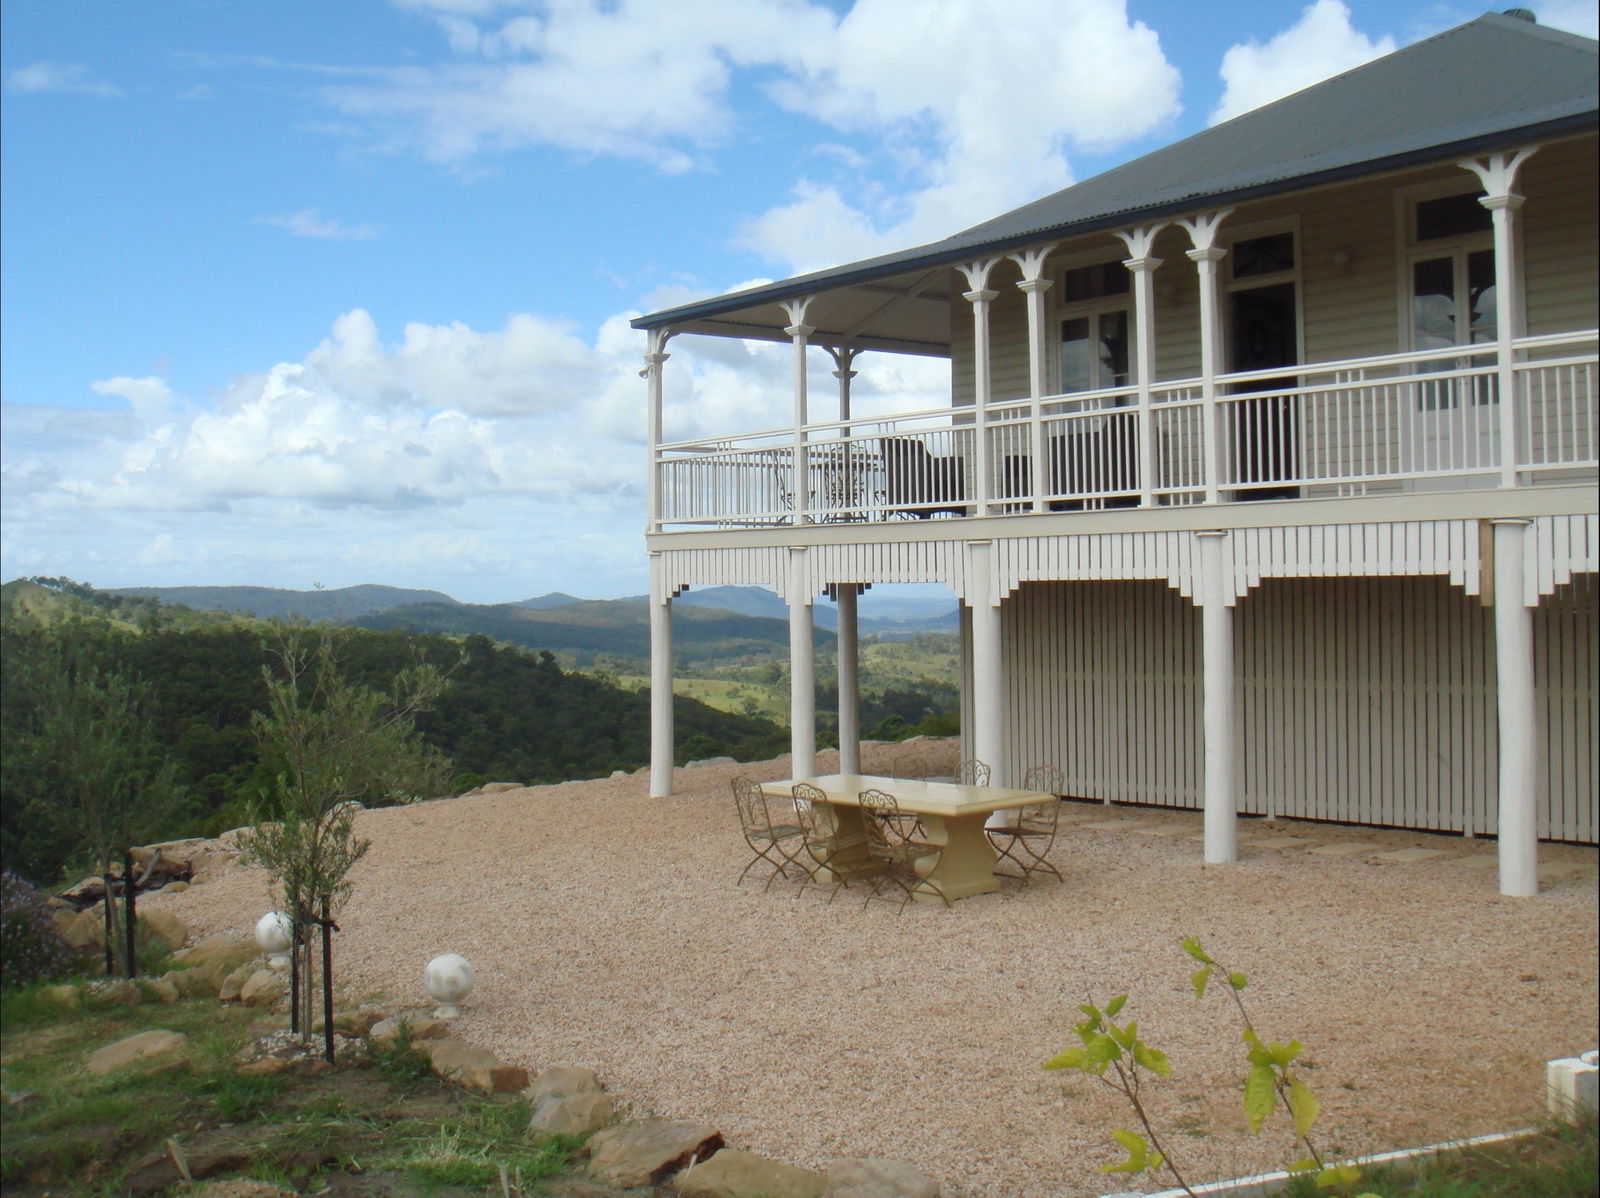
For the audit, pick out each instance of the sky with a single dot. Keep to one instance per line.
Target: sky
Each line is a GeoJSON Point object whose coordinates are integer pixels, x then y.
{"type": "Point", "coordinates": [306, 293]}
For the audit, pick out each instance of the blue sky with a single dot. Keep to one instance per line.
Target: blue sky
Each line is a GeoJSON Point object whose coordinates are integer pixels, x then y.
{"type": "Point", "coordinates": [338, 293]}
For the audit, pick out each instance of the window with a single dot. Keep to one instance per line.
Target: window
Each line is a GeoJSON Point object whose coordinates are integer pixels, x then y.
{"type": "Point", "coordinates": [1096, 328]}
{"type": "Point", "coordinates": [1451, 299]}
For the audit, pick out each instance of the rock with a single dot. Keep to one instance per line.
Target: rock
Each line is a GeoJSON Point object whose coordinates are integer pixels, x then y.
{"type": "Point", "coordinates": [650, 1151]}
{"type": "Point", "coordinates": [228, 990]}
{"type": "Point", "coordinates": [65, 997]}
{"type": "Point", "coordinates": [122, 992]}
{"type": "Point", "coordinates": [265, 1067]}
{"type": "Point", "coordinates": [263, 988]}
{"type": "Point", "coordinates": [736, 1174]}
{"type": "Point", "coordinates": [873, 1178]}
{"type": "Point", "coordinates": [166, 927]}
{"type": "Point", "coordinates": [558, 1081]}
{"type": "Point", "coordinates": [218, 944]}
{"type": "Point", "coordinates": [494, 788]}
{"type": "Point", "coordinates": [188, 982]}
{"type": "Point", "coordinates": [241, 1187]}
{"type": "Point", "coordinates": [354, 1023]}
{"type": "Point", "coordinates": [179, 887]}
{"type": "Point", "coordinates": [473, 1066]}
{"type": "Point", "coordinates": [689, 765]}
{"type": "Point", "coordinates": [573, 1114]}
{"type": "Point", "coordinates": [615, 774]}
{"type": "Point", "coordinates": [387, 1031]}
{"type": "Point", "coordinates": [154, 1045]}
{"type": "Point", "coordinates": [63, 917]}
{"type": "Point", "coordinates": [159, 1170]}
{"type": "Point", "coordinates": [159, 989]}
{"type": "Point", "coordinates": [87, 929]}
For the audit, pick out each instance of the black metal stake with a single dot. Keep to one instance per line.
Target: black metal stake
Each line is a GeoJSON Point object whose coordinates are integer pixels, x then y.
{"type": "Point", "coordinates": [129, 917]}
{"type": "Point", "coordinates": [328, 929]}
{"type": "Point", "coordinates": [111, 924]}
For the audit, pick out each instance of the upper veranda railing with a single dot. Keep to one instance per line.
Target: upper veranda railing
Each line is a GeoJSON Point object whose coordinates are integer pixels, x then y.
{"type": "Point", "coordinates": [1412, 421]}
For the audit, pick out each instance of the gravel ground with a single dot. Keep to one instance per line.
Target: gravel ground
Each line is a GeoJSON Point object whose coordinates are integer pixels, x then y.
{"type": "Point", "coordinates": [605, 931]}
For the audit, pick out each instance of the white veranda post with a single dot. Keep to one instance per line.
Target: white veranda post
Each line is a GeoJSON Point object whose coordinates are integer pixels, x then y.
{"type": "Point", "coordinates": [799, 331]}
{"type": "Point", "coordinates": [1034, 285]}
{"type": "Point", "coordinates": [661, 730]}
{"type": "Point", "coordinates": [979, 296]}
{"type": "Point", "coordinates": [802, 670]}
{"type": "Point", "coordinates": [1498, 174]}
{"type": "Point", "coordinates": [1221, 735]}
{"type": "Point", "coordinates": [1207, 256]}
{"type": "Point", "coordinates": [654, 359]}
{"type": "Point", "coordinates": [1142, 266]}
{"type": "Point", "coordinates": [1513, 656]}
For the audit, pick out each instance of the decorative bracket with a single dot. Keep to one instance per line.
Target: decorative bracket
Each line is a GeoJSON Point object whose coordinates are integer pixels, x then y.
{"type": "Point", "coordinates": [1498, 173]}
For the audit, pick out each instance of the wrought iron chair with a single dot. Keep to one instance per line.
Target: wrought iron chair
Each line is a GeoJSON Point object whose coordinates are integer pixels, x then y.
{"type": "Point", "coordinates": [779, 845]}
{"type": "Point", "coordinates": [1027, 843]}
{"type": "Point", "coordinates": [823, 842]}
{"type": "Point", "coordinates": [972, 772]}
{"type": "Point", "coordinates": [887, 843]}
{"type": "Point", "coordinates": [919, 484]}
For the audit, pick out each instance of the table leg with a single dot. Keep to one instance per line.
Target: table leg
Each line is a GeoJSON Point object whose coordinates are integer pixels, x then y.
{"type": "Point", "coordinates": [849, 858]}
{"type": "Point", "coordinates": [966, 866]}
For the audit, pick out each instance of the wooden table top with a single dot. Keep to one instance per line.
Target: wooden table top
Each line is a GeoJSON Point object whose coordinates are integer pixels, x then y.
{"type": "Point", "coordinates": [925, 798]}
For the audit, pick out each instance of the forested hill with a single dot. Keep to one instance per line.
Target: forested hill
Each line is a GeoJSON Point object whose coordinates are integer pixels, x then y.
{"type": "Point", "coordinates": [587, 629]}
{"type": "Point", "coordinates": [319, 606]}
{"type": "Point", "coordinates": [509, 714]}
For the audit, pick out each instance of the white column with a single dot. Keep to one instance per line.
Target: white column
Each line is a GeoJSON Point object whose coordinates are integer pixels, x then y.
{"type": "Point", "coordinates": [1034, 285]}
{"type": "Point", "coordinates": [1513, 655]}
{"type": "Point", "coordinates": [798, 330]}
{"type": "Point", "coordinates": [979, 296]}
{"type": "Point", "coordinates": [1221, 735]}
{"type": "Point", "coordinates": [655, 357]}
{"type": "Point", "coordinates": [802, 670]}
{"type": "Point", "coordinates": [843, 356]}
{"type": "Point", "coordinates": [1143, 266]}
{"type": "Point", "coordinates": [1498, 174]}
{"type": "Point", "coordinates": [661, 727]}
{"type": "Point", "coordinates": [1207, 256]}
{"type": "Point", "coordinates": [988, 670]}
{"type": "Point", "coordinates": [849, 682]}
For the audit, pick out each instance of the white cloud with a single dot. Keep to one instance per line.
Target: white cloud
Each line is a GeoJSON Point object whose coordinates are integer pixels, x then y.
{"type": "Point", "coordinates": [1320, 45]}
{"type": "Point", "coordinates": [308, 222]}
{"type": "Point", "coordinates": [60, 77]}
{"type": "Point", "coordinates": [1574, 16]}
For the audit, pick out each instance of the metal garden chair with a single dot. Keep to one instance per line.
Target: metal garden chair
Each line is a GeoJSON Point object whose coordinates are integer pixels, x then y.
{"type": "Point", "coordinates": [973, 772]}
{"type": "Point", "coordinates": [1027, 843]}
{"type": "Point", "coordinates": [779, 845]}
{"type": "Point", "coordinates": [823, 843]}
{"type": "Point", "coordinates": [886, 842]}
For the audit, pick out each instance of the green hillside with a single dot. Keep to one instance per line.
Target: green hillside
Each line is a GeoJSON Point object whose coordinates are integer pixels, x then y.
{"type": "Point", "coordinates": [337, 606]}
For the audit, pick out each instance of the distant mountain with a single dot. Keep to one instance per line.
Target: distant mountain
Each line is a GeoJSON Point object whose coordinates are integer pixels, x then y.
{"type": "Point", "coordinates": [589, 627]}
{"type": "Point", "coordinates": [339, 606]}
{"type": "Point", "coordinates": [553, 599]}
{"type": "Point", "coordinates": [877, 616]}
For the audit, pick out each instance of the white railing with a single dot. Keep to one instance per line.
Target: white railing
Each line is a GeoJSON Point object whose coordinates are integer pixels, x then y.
{"type": "Point", "coordinates": [1412, 421]}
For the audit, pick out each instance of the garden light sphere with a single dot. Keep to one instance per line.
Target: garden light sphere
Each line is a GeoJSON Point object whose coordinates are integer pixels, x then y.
{"type": "Point", "coordinates": [274, 934]}
{"type": "Point", "coordinates": [448, 979]}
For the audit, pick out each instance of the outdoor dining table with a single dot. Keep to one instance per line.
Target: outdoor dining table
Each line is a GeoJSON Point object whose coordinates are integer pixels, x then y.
{"type": "Point", "coordinates": [952, 816]}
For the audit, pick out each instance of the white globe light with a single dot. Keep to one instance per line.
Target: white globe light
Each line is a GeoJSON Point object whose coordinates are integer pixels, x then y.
{"type": "Point", "coordinates": [448, 979]}
{"type": "Point", "coordinates": [274, 933]}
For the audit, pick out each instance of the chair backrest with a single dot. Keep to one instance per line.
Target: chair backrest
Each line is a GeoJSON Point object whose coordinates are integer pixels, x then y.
{"type": "Point", "coordinates": [752, 805]}
{"type": "Point", "coordinates": [1047, 778]}
{"type": "Point", "coordinates": [811, 808]}
{"type": "Point", "coordinates": [880, 819]}
{"type": "Point", "coordinates": [972, 772]}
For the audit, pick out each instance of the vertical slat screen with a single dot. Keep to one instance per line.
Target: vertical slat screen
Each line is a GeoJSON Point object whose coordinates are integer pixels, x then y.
{"type": "Point", "coordinates": [1565, 665]}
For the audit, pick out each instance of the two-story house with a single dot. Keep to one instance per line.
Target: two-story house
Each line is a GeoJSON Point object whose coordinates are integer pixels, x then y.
{"type": "Point", "coordinates": [1267, 476]}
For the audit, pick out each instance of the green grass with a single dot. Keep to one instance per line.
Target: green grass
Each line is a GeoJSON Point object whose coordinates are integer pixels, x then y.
{"type": "Point", "coordinates": [470, 1150]}
{"type": "Point", "coordinates": [1559, 1162]}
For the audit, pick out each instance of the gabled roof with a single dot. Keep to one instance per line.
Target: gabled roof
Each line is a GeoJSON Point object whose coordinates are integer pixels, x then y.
{"type": "Point", "coordinates": [1491, 83]}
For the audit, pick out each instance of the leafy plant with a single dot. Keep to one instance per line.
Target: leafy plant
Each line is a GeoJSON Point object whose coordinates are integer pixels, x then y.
{"type": "Point", "coordinates": [31, 950]}
{"type": "Point", "coordinates": [1116, 1056]}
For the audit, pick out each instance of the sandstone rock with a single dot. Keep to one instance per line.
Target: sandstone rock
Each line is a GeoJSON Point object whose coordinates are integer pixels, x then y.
{"type": "Point", "coordinates": [218, 944]}
{"type": "Point", "coordinates": [65, 997]}
{"type": "Point", "coordinates": [159, 989]}
{"type": "Point", "coordinates": [179, 887]}
{"type": "Point", "coordinates": [265, 1067]}
{"type": "Point", "coordinates": [573, 1114]}
{"type": "Point", "coordinates": [558, 1081]}
{"type": "Point", "coordinates": [63, 917]}
{"type": "Point", "coordinates": [650, 1151]}
{"type": "Point", "coordinates": [156, 1044]}
{"type": "Point", "coordinates": [873, 1178]}
{"type": "Point", "coordinates": [119, 993]}
{"type": "Point", "coordinates": [241, 1187]}
{"type": "Point", "coordinates": [387, 1031]}
{"type": "Point", "coordinates": [354, 1023]}
{"type": "Point", "coordinates": [263, 988]}
{"type": "Point", "coordinates": [735, 1174]}
{"type": "Point", "coordinates": [473, 1066]}
{"type": "Point", "coordinates": [494, 788]}
{"type": "Point", "coordinates": [189, 982]}
{"type": "Point", "coordinates": [87, 929]}
{"type": "Point", "coordinates": [228, 990]}
{"type": "Point", "coordinates": [166, 927]}
{"type": "Point", "coordinates": [159, 1170]}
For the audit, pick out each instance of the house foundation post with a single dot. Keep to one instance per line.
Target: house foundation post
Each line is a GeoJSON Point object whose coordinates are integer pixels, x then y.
{"type": "Point", "coordinates": [988, 669]}
{"type": "Point", "coordinates": [1221, 734]}
{"type": "Point", "coordinates": [661, 727]}
{"type": "Point", "coordinates": [1207, 256]}
{"type": "Point", "coordinates": [1513, 654]}
{"type": "Point", "coordinates": [1143, 266]}
{"type": "Point", "coordinates": [849, 682]}
{"type": "Point", "coordinates": [802, 670]}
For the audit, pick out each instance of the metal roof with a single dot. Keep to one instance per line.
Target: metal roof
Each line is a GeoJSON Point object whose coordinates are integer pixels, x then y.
{"type": "Point", "coordinates": [1490, 83]}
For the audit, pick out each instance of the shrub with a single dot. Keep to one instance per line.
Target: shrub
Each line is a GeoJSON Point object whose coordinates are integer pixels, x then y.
{"type": "Point", "coordinates": [31, 950]}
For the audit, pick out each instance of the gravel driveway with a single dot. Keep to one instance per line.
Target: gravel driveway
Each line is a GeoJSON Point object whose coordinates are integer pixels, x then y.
{"type": "Point", "coordinates": [605, 931]}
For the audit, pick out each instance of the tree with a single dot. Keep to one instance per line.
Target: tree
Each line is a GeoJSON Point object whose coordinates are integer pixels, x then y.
{"type": "Point", "coordinates": [332, 745]}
